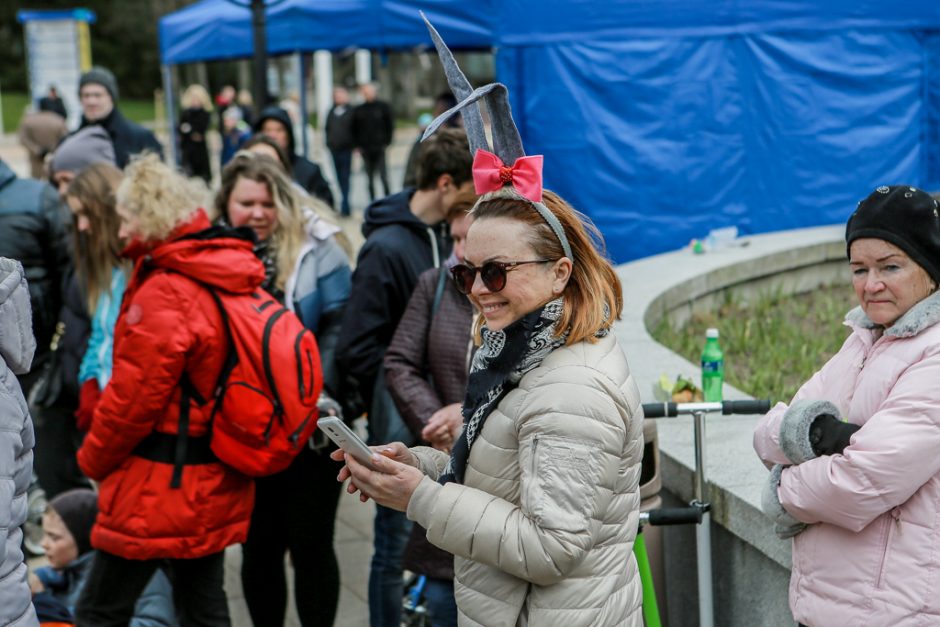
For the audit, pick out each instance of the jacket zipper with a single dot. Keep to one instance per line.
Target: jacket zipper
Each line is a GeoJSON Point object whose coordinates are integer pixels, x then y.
{"type": "Point", "coordinates": [896, 527]}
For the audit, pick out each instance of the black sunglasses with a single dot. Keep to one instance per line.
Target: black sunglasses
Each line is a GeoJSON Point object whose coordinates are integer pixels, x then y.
{"type": "Point", "coordinates": [493, 274]}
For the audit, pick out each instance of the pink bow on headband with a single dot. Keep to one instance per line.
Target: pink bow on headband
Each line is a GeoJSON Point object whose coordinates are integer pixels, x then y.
{"type": "Point", "coordinates": [491, 174]}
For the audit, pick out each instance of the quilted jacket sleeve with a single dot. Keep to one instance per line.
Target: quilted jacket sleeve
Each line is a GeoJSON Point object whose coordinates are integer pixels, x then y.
{"type": "Point", "coordinates": [889, 459]}
{"type": "Point", "coordinates": [571, 429]}
{"type": "Point", "coordinates": [148, 361]}
{"type": "Point", "coordinates": [406, 359]}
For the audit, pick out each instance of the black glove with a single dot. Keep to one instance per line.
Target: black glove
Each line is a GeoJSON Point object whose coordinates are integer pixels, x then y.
{"type": "Point", "coordinates": [829, 436]}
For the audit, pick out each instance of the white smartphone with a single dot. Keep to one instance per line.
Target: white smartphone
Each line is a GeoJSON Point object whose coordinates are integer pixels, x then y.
{"type": "Point", "coordinates": [346, 439]}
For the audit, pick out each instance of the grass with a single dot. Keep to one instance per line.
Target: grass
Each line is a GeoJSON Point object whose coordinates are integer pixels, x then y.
{"type": "Point", "coordinates": [14, 103]}
{"type": "Point", "coordinates": [772, 346]}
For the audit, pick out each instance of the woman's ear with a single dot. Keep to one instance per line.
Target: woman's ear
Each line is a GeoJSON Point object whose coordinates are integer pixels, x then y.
{"type": "Point", "coordinates": [562, 271]}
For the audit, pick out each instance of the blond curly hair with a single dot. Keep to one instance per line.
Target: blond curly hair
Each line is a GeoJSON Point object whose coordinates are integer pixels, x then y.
{"type": "Point", "coordinates": [158, 196]}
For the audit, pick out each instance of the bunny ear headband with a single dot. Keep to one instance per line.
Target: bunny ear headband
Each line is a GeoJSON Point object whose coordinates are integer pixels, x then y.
{"type": "Point", "coordinates": [491, 172]}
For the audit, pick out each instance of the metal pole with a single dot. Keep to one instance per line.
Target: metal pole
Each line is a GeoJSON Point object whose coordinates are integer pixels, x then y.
{"type": "Point", "coordinates": [302, 86]}
{"type": "Point", "coordinates": [703, 539]}
{"type": "Point", "coordinates": [260, 59]}
{"type": "Point", "coordinates": [174, 157]}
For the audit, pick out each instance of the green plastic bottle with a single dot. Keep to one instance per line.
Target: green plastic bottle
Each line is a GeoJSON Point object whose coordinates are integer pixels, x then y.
{"type": "Point", "coordinates": [713, 367]}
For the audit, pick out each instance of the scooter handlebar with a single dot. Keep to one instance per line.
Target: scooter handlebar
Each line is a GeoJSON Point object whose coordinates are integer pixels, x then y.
{"type": "Point", "coordinates": [670, 410]}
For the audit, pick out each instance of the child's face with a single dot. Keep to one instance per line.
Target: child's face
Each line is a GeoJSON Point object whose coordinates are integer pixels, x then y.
{"type": "Point", "coordinates": [57, 541]}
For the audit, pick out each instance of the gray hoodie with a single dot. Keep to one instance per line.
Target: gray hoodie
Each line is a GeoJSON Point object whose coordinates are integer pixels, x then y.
{"type": "Point", "coordinates": [17, 346]}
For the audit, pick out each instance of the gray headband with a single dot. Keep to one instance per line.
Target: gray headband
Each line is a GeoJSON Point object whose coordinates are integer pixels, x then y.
{"type": "Point", "coordinates": [507, 145]}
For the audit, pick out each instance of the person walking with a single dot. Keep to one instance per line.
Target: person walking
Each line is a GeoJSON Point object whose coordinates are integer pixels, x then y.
{"type": "Point", "coordinates": [373, 128]}
{"type": "Point", "coordinates": [340, 141]}
{"type": "Point", "coordinates": [193, 130]}
{"type": "Point", "coordinates": [855, 479]}
{"type": "Point", "coordinates": [170, 344]}
{"type": "Point", "coordinates": [98, 93]}
{"type": "Point", "coordinates": [17, 346]}
{"type": "Point", "coordinates": [295, 510]}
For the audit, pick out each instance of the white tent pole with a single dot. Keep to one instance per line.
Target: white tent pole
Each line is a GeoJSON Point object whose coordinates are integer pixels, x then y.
{"type": "Point", "coordinates": [170, 113]}
{"type": "Point", "coordinates": [363, 66]}
{"type": "Point", "coordinates": [323, 80]}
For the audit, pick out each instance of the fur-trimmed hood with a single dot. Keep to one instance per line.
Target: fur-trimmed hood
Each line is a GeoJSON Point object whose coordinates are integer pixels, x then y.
{"type": "Point", "coordinates": [923, 315]}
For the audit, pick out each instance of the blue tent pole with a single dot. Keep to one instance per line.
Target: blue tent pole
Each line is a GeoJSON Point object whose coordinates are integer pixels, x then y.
{"type": "Point", "coordinates": [303, 102]}
{"type": "Point", "coordinates": [170, 112]}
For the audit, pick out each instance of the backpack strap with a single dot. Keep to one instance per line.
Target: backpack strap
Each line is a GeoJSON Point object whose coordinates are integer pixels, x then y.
{"type": "Point", "coordinates": [188, 393]}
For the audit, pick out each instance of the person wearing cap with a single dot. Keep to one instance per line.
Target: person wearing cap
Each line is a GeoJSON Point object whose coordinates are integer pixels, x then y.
{"type": "Point", "coordinates": [66, 542]}
{"type": "Point", "coordinates": [98, 93]}
{"type": "Point", "coordinates": [80, 150]}
{"type": "Point", "coordinates": [276, 124]}
{"type": "Point", "coordinates": [855, 475]}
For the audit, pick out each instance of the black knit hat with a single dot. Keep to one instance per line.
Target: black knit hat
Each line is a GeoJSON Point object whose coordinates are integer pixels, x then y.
{"type": "Point", "coordinates": [100, 76]}
{"type": "Point", "coordinates": [905, 216]}
{"type": "Point", "coordinates": [77, 508]}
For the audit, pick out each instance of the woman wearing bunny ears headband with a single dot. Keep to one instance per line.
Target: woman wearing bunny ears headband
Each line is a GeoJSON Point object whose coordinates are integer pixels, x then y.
{"type": "Point", "coordinates": [539, 497]}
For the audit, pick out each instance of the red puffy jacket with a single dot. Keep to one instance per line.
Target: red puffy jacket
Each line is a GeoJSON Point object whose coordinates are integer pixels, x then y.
{"type": "Point", "coordinates": [168, 325]}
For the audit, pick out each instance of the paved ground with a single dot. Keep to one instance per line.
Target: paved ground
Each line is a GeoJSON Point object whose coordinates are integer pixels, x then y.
{"type": "Point", "coordinates": [353, 539]}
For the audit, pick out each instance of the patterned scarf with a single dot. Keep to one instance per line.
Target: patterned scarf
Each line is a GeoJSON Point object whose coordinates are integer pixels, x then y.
{"type": "Point", "coordinates": [498, 366]}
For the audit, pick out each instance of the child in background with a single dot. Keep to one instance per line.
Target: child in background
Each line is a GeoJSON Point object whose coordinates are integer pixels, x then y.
{"type": "Point", "coordinates": [66, 541]}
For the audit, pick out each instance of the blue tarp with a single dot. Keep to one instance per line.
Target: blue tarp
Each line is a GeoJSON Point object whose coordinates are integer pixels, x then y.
{"type": "Point", "coordinates": [665, 119]}
{"type": "Point", "coordinates": [214, 30]}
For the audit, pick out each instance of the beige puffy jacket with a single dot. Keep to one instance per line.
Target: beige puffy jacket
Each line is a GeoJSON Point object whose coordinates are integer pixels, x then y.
{"type": "Point", "coordinates": [543, 527]}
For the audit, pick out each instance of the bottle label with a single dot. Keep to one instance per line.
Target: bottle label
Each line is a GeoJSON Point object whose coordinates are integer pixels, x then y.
{"type": "Point", "coordinates": [713, 366]}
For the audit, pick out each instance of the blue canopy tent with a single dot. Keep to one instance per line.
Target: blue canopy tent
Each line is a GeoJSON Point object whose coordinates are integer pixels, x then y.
{"type": "Point", "coordinates": [215, 30]}
{"type": "Point", "coordinates": [665, 119]}
{"type": "Point", "coordinates": [221, 29]}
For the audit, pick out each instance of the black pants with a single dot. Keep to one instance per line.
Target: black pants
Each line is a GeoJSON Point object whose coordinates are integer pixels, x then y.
{"type": "Point", "coordinates": [115, 583]}
{"type": "Point", "coordinates": [57, 441]}
{"type": "Point", "coordinates": [294, 512]}
{"type": "Point", "coordinates": [374, 161]}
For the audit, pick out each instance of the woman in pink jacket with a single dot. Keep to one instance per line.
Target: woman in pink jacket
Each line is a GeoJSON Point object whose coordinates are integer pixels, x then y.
{"type": "Point", "coordinates": [856, 455]}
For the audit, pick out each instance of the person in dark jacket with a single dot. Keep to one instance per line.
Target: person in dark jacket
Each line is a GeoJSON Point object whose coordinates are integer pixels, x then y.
{"type": "Point", "coordinates": [275, 123]}
{"type": "Point", "coordinates": [32, 231]}
{"type": "Point", "coordinates": [53, 102]}
{"type": "Point", "coordinates": [339, 139]}
{"type": "Point", "coordinates": [373, 128]}
{"type": "Point", "coordinates": [405, 235]}
{"type": "Point", "coordinates": [193, 129]}
{"type": "Point", "coordinates": [426, 368]}
{"type": "Point", "coordinates": [98, 92]}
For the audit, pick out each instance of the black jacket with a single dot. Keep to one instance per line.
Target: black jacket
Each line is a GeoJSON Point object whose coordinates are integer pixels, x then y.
{"type": "Point", "coordinates": [307, 174]}
{"type": "Point", "coordinates": [398, 248]}
{"type": "Point", "coordinates": [33, 231]}
{"type": "Point", "coordinates": [339, 135]}
{"type": "Point", "coordinates": [129, 139]}
{"type": "Point", "coordinates": [373, 125]}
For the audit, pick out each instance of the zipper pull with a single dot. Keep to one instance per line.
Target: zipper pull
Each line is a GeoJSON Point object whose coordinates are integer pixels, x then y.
{"type": "Point", "coordinates": [896, 514]}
